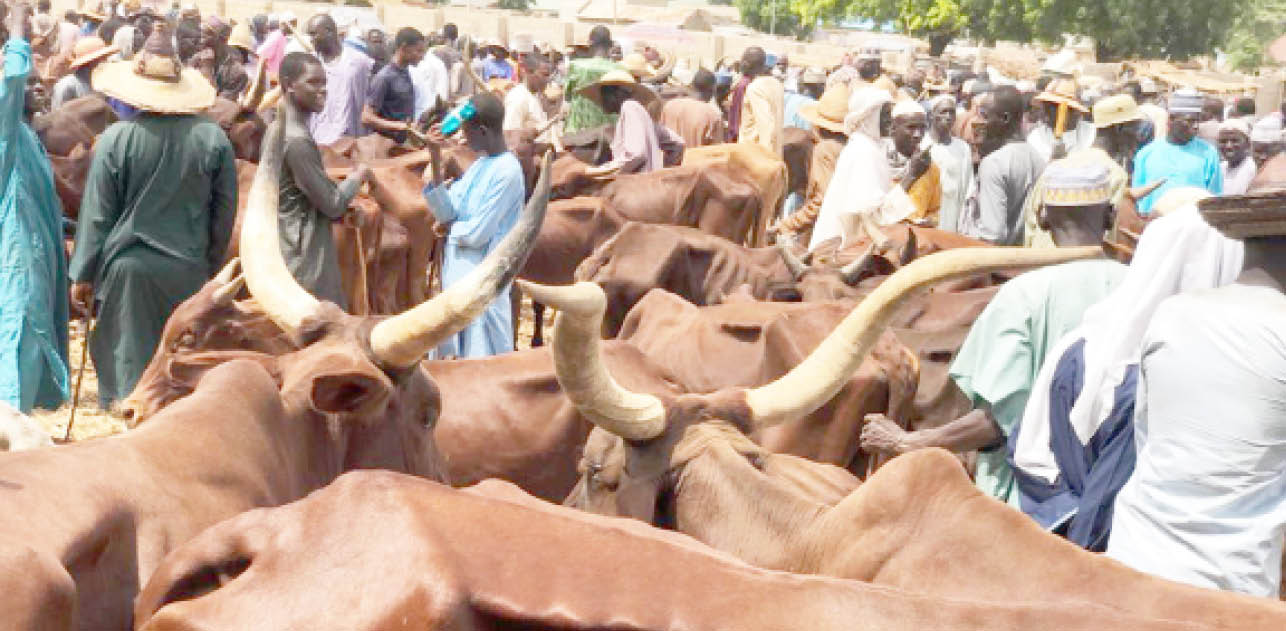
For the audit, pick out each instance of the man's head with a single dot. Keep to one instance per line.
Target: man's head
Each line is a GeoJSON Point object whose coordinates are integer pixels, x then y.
{"type": "Point", "coordinates": [215, 32]}
{"type": "Point", "coordinates": [450, 32]}
{"type": "Point", "coordinates": [868, 66]}
{"type": "Point", "coordinates": [537, 69]}
{"type": "Point", "coordinates": [35, 99]}
{"type": "Point", "coordinates": [1266, 140]}
{"type": "Point", "coordinates": [1117, 119]}
{"type": "Point", "coordinates": [703, 84]}
{"type": "Point", "coordinates": [915, 80]}
{"type": "Point", "coordinates": [812, 82]}
{"type": "Point", "coordinates": [1002, 113]}
{"type": "Point", "coordinates": [1185, 108]}
{"type": "Point", "coordinates": [1245, 106]}
{"type": "Point", "coordinates": [71, 17]}
{"type": "Point", "coordinates": [753, 62]}
{"type": "Point", "coordinates": [188, 39]}
{"type": "Point", "coordinates": [1212, 110]}
{"type": "Point", "coordinates": [909, 126]}
{"type": "Point", "coordinates": [483, 132]}
{"type": "Point", "coordinates": [600, 41]}
{"type": "Point", "coordinates": [303, 80]}
{"type": "Point", "coordinates": [324, 34]}
{"type": "Point", "coordinates": [1076, 207]}
{"type": "Point", "coordinates": [408, 46]}
{"type": "Point", "coordinates": [259, 25]}
{"type": "Point", "coordinates": [1234, 141]}
{"type": "Point", "coordinates": [376, 44]}
{"type": "Point", "coordinates": [942, 110]}
{"type": "Point", "coordinates": [43, 6]}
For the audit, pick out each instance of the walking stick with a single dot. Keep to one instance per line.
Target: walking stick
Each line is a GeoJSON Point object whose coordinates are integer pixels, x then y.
{"type": "Point", "coordinates": [80, 378]}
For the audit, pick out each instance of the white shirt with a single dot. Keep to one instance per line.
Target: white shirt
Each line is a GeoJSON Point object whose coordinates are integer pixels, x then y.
{"type": "Point", "coordinates": [1237, 181]}
{"type": "Point", "coordinates": [431, 82]}
{"type": "Point", "coordinates": [1081, 137]}
{"type": "Point", "coordinates": [523, 110]}
{"type": "Point", "coordinates": [1206, 504]}
{"type": "Point", "coordinates": [861, 190]}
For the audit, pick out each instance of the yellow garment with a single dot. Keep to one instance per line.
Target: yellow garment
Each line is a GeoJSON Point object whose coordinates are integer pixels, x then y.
{"type": "Point", "coordinates": [762, 114]}
{"type": "Point", "coordinates": [1118, 179]}
{"type": "Point", "coordinates": [926, 194]}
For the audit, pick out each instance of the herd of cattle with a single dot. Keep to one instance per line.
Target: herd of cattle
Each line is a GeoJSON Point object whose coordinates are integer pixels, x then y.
{"type": "Point", "coordinates": [697, 413]}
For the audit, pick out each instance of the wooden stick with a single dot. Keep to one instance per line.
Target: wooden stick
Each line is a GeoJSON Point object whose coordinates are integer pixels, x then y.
{"type": "Point", "coordinates": [80, 378]}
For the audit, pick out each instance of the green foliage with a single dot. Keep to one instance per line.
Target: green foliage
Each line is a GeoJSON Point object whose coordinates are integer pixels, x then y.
{"type": "Point", "coordinates": [515, 5]}
{"type": "Point", "coordinates": [1261, 23]}
{"type": "Point", "coordinates": [775, 16]}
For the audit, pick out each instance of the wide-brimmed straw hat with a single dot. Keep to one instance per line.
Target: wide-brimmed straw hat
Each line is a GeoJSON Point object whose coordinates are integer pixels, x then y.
{"type": "Point", "coordinates": [620, 78]}
{"type": "Point", "coordinates": [829, 111]}
{"type": "Point", "coordinates": [1060, 91]}
{"type": "Point", "coordinates": [241, 37]}
{"type": "Point", "coordinates": [638, 66]}
{"type": "Point", "coordinates": [155, 80]}
{"type": "Point", "coordinates": [87, 50]}
{"type": "Point", "coordinates": [1115, 110]}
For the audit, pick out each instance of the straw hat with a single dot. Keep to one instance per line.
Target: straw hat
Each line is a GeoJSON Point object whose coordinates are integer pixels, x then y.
{"type": "Point", "coordinates": [622, 78]}
{"type": "Point", "coordinates": [155, 81]}
{"type": "Point", "coordinates": [638, 66]}
{"type": "Point", "coordinates": [87, 50]}
{"type": "Point", "coordinates": [241, 37]}
{"type": "Point", "coordinates": [1115, 110]}
{"type": "Point", "coordinates": [1060, 91]}
{"type": "Point", "coordinates": [829, 111]}
{"type": "Point", "coordinates": [813, 74]}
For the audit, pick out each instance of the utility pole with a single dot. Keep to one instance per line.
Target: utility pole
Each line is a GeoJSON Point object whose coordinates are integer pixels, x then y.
{"type": "Point", "coordinates": [772, 24]}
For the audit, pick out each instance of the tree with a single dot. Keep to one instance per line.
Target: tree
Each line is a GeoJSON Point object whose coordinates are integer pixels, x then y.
{"type": "Point", "coordinates": [931, 19]}
{"type": "Point", "coordinates": [1261, 23]}
{"type": "Point", "coordinates": [515, 5]}
{"type": "Point", "coordinates": [775, 16]}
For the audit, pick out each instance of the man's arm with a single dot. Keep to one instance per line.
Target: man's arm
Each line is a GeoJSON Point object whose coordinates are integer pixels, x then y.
{"type": "Point", "coordinates": [99, 210]}
{"type": "Point", "coordinates": [223, 204]}
{"type": "Point", "coordinates": [305, 165]}
{"type": "Point", "coordinates": [370, 117]}
{"type": "Point", "coordinates": [633, 128]}
{"type": "Point", "coordinates": [976, 430]}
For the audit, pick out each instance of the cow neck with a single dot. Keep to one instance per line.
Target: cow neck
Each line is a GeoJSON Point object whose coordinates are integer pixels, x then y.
{"type": "Point", "coordinates": [726, 502]}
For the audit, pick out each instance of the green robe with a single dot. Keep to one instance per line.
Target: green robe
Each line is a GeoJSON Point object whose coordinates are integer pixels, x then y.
{"type": "Point", "coordinates": [159, 206]}
{"type": "Point", "coordinates": [309, 203]}
{"type": "Point", "coordinates": [1007, 344]}
{"type": "Point", "coordinates": [583, 113]}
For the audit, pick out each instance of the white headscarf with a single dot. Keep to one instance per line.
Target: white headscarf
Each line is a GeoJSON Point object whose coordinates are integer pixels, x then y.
{"type": "Point", "coordinates": [864, 111]}
{"type": "Point", "coordinates": [1179, 252]}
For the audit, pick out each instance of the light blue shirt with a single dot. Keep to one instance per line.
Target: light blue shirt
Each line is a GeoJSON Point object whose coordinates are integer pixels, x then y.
{"type": "Point", "coordinates": [481, 207]}
{"type": "Point", "coordinates": [1194, 164]}
{"type": "Point", "coordinates": [793, 102]}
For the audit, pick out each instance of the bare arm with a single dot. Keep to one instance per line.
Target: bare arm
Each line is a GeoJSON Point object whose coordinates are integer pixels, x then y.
{"type": "Point", "coordinates": [973, 431]}
{"type": "Point", "coordinates": [375, 121]}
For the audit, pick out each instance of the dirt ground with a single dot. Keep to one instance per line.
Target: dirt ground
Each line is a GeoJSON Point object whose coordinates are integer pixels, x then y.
{"type": "Point", "coordinates": [92, 421]}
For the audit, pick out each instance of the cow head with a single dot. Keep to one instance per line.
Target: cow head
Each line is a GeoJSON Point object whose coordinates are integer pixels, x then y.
{"type": "Point", "coordinates": [360, 375]}
{"type": "Point", "coordinates": [637, 459]}
{"type": "Point", "coordinates": [820, 279]}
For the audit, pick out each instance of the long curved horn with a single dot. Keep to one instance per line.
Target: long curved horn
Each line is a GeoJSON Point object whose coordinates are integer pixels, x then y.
{"type": "Point", "coordinates": [1139, 192]}
{"type": "Point", "coordinates": [793, 263]}
{"type": "Point", "coordinates": [224, 295]}
{"type": "Point", "coordinates": [403, 339]}
{"type": "Point", "coordinates": [852, 272]}
{"type": "Point", "coordinates": [579, 364]}
{"type": "Point", "coordinates": [816, 379]}
{"type": "Point", "coordinates": [230, 270]}
{"type": "Point", "coordinates": [283, 299]}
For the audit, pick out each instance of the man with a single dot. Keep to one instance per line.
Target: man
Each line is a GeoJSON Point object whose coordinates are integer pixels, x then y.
{"type": "Point", "coordinates": [761, 118]}
{"type": "Point", "coordinates": [68, 31]}
{"type": "Point", "coordinates": [826, 118]}
{"type": "Point", "coordinates": [911, 162]}
{"type": "Point", "coordinates": [1266, 139]}
{"type": "Point", "coordinates": [158, 211]}
{"type": "Point", "coordinates": [581, 112]}
{"type": "Point", "coordinates": [432, 84]}
{"type": "Point", "coordinates": [1155, 114]}
{"type": "Point", "coordinates": [1009, 168]}
{"type": "Point", "coordinates": [390, 103]}
{"type": "Point", "coordinates": [33, 273]}
{"type": "Point", "coordinates": [1234, 148]}
{"type": "Point", "coordinates": [1077, 132]}
{"type": "Point", "coordinates": [310, 202]}
{"type": "Point", "coordinates": [187, 37]}
{"type": "Point", "coordinates": [273, 48]}
{"type": "Point", "coordinates": [1205, 504]}
{"type": "Point", "coordinates": [870, 74]}
{"type": "Point", "coordinates": [695, 117]}
{"type": "Point", "coordinates": [523, 110]}
{"type": "Point", "coordinates": [1211, 119]}
{"type": "Point", "coordinates": [999, 360]}
{"type": "Point", "coordinates": [479, 209]}
{"type": "Point", "coordinates": [348, 78]}
{"type": "Point", "coordinates": [87, 54]}
{"type": "Point", "coordinates": [811, 84]}
{"type": "Point", "coordinates": [953, 158]}
{"type": "Point", "coordinates": [229, 72]}
{"type": "Point", "coordinates": [635, 146]}
{"type": "Point", "coordinates": [1180, 157]}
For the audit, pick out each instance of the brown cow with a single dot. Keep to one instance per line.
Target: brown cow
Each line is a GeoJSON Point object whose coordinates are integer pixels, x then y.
{"type": "Point", "coordinates": [351, 397]}
{"type": "Point", "coordinates": [70, 175]}
{"type": "Point", "coordinates": [377, 551]}
{"type": "Point", "coordinates": [244, 127]}
{"type": "Point", "coordinates": [768, 172]}
{"type": "Point", "coordinates": [749, 344]}
{"type": "Point", "coordinates": [77, 123]}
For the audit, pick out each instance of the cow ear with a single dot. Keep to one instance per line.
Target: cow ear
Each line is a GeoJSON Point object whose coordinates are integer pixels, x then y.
{"type": "Point", "coordinates": [351, 392]}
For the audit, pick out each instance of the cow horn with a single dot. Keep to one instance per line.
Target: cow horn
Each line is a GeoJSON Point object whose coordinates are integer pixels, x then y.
{"type": "Point", "coordinates": [852, 272]}
{"type": "Point", "coordinates": [229, 271]}
{"type": "Point", "coordinates": [816, 379]}
{"type": "Point", "coordinates": [283, 299]}
{"type": "Point", "coordinates": [228, 291]}
{"type": "Point", "coordinates": [403, 339]}
{"type": "Point", "coordinates": [793, 263]}
{"type": "Point", "coordinates": [1139, 192]}
{"type": "Point", "coordinates": [579, 366]}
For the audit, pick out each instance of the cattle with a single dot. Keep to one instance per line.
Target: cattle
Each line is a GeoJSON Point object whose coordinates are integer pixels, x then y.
{"type": "Point", "coordinates": [86, 524]}
{"type": "Point", "coordinates": [797, 152]}
{"type": "Point", "coordinates": [378, 550]}
{"type": "Point", "coordinates": [19, 431]}
{"type": "Point", "coordinates": [752, 343]}
{"type": "Point", "coordinates": [768, 172]}
{"type": "Point", "coordinates": [687, 462]}
{"type": "Point", "coordinates": [70, 174]}
{"type": "Point", "coordinates": [77, 123]}
{"type": "Point", "coordinates": [244, 127]}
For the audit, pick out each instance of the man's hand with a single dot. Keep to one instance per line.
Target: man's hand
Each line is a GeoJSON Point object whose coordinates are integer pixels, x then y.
{"type": "Point", "coordinates": [354, 219]}
{"type": "Point", "coordinates": [916, 167]}
{"type": "Point", "coordinates": [82, 295]}
{"type": "Point", "coordinates": [361, 173]}
{"type": "Point", "coordinates": [18, 22]}
{"type": "Point", "coordinates": [880, 435]}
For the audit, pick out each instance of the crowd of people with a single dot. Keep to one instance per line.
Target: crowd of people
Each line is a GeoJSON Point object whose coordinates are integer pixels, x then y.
{"type": "Point", "coordinates": [1133, 409]}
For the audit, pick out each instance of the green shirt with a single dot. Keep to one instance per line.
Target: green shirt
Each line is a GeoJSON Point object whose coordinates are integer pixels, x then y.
{"type": "Point", "coordinates": [168, 183]}
{"type": "Point", "coordinates": [583, 113]}
{"type": "Point", "coordinates": [1007, 344]}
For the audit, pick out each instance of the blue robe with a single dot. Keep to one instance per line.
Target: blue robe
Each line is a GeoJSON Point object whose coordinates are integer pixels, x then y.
{"type": "Point", "coordinates": [481, 208]}
{"type": "Point", "coordinates": [33, 265]}
{"type": "Point", "coordinates": [1195, 164]}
